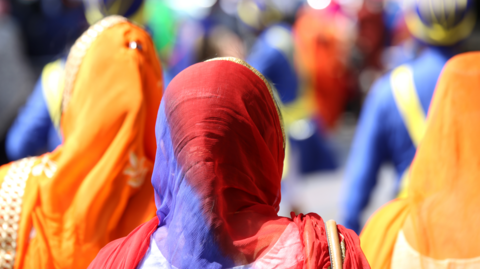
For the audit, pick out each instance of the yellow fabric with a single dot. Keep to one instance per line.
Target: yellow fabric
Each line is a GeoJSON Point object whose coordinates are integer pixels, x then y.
{"type": "Point", "coordinates": [301, 108]}
{"type": "Point", "coordinates": [53, 82]}
{"type": "Point", "coordinates": [406, 98]}
{"type": "Point", "coordinates": [439, 217]}
{"type": "Point", "coordinates": [96, 186]}
{"type": "Point", "coordinates": [438, 35]}
{"type": "Point", "coordinates": [95, 11]}
{"type": "Point", "coordinates": [408, 103]}
{"type": "Point", "coordinates": [404, 182]}
{"type": "Point", "coordinates": [380, 233]}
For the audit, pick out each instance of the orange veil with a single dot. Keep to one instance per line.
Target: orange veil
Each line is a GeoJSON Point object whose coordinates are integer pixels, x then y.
{"type": "Point", "coordinates": [58, 210]}
{"type": "Point", "coordinates": [440, 218]}
{"type": "Point", "coordinates": [321, 37]}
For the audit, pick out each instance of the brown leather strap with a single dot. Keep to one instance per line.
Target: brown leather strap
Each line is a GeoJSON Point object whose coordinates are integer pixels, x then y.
{"type": "Point", "coordinates": [334, 245]}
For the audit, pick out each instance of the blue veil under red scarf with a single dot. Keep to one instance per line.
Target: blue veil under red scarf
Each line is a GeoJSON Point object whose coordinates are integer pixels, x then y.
{"type": "Point", "coordinates": [219, 164]}
{"type": "Point", "coordinates": [218, 167]}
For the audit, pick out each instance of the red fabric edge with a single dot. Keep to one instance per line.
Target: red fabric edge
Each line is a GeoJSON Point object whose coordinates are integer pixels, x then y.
{"type": "Point", "coordinates": [126, 252]}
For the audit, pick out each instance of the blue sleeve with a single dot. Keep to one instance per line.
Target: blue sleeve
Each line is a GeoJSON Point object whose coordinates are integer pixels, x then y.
{"type": "Point", "coordinates": [367, 154]}
{"type": "Point", "coordinates": [29, 134]}
{"type": "Point", "coordinates": [275, 66]}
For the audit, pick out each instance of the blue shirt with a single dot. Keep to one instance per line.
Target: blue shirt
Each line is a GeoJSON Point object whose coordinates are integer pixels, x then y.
{"type": "Point", "coordinates": [272, 55]}
{"type": "Point", "coordinates": [382, 136]}
{"type": "Point", "coordinates": [32, 132]}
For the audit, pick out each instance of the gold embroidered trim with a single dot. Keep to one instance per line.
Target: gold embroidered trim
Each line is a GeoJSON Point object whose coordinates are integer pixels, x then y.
{"type": "Point", "coordinates": [269, 87]}
{"type": "Point", "coordinates": [11, 198]}
{"type": "Point", "coordinates": [80, 48]}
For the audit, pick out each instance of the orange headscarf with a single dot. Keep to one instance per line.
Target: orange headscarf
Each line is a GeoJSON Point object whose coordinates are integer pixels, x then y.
{"type": "Point", "coordinates": [445, 177]}
{"type": "Point", "coordinates": [440, 217]}
{"type": "Point", "coordinates": [321, 53]}
{"type": "Point", "coordinates": [95, 187]}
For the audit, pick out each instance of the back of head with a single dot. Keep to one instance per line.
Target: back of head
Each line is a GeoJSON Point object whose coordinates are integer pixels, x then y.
{"type": "Point", "coordinates": [440, 22]}
{"type": "Point", "coordinates": [219, 163]}
{"type": "Point", "coordinates": [443, 194]}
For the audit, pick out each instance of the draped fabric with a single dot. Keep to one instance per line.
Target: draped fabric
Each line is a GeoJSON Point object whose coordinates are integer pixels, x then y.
{"type": "Point", "coordinates": [444, 177]}
{"type": "Point", "coordinates": [440, 217]}
{"type": "Point", "coordinates": [94, 188]}
{"type": "Point", "coordinates": [380, 234]}
{"type": "Point", "coordinates": [217, 173]}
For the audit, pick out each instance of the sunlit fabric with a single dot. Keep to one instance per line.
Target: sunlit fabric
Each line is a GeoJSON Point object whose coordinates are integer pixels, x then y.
{"type": "Point", "coordinates": [94, 187]}
{"type": "Point", "coordinates": [382, 136]}
{"type": "Point", "coordinates": [217, 181]}
{"type": "Point", "coordinates": [439, 218]}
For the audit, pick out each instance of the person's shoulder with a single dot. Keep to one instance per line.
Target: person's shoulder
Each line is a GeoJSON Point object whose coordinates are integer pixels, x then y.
{"type": "Point", "coordinates": [128, 251]}
{"type": "Point", "coordinates": [429, 63]}
{"type": "Point", "coordinates": [382, 86]}
{"type": "Point", "coordinates": [380, 97]}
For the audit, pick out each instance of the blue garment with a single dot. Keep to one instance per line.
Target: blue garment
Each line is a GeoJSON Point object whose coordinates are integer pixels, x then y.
{"type": "Point", "coordinates": [382, 136]}
{"type": "Point", "coordinates": [315, 153]}
{"type": "Point", "coordinates": [33, 132]}
{"type": "Point", "coordinates": [272, 55]}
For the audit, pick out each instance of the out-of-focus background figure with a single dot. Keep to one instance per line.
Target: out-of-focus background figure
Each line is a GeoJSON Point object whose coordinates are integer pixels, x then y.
{"type": "Point", "coordinates": [392, 120]}
{"type": "Point", "coordinates": [330, 62]}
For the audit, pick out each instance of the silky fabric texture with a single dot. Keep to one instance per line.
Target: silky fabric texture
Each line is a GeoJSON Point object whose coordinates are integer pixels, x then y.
{"type": "Point", "coordinates": [218, 167]}
{"type": "Point", "coordinates": [444, 198]}
{"type": "Point", "coordinates": [217, 179]}
{"type": "Point", "coordinates": [90, 190]}
{"type": "Point", "coordinates": [380, 234]}
{"type": "Point", "coordinates": [440, 216]}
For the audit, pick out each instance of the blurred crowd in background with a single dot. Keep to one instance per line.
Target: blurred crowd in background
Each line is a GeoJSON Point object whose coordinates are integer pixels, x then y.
{"type": "Point", "coordinates": [324, 57]}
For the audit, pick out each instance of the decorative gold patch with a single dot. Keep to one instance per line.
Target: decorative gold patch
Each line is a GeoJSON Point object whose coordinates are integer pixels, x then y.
{"type": "Point", "coordinates": [11, 198]}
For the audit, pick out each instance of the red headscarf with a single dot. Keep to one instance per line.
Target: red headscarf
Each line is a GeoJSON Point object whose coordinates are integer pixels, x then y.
{"type": "Point", "coordinates": [217, 180]}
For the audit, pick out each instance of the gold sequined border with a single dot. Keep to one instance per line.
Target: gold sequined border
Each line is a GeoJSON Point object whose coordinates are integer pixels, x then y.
{"type": "Point", "coordinates": [80, 48]}
{"type": "Point", "coordinates": [11, 199]}
{"type": "Point", "coordinates": [260, 75]}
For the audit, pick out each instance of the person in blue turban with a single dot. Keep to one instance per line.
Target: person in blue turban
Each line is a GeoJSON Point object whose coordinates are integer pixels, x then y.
{"type": "Point", "coordinates": [392, 120]}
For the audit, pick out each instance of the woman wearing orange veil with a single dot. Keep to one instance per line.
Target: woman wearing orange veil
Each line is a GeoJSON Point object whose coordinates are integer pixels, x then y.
{"type": "Point", "coordinates": [438, 224]}
{"type": "Point", "coordinates": [321, 39]}
{"type": "Point", "coordinates": [59, 209]}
